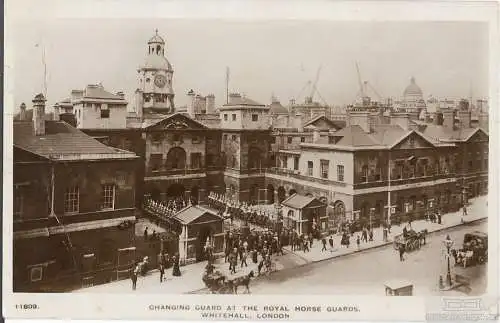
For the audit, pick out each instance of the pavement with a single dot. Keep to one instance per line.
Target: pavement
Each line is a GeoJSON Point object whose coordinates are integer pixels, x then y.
{"type": "Point", "coordinates": [366, 273]}
{"type": "Point", "coordinates": [477, 210]}
{"type": "Point", "coordinates": [190, 279]}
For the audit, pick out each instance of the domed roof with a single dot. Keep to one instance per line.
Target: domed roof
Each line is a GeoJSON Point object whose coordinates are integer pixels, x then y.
{"type": "Point", "coordinates": [156, 38]}
{"type": "Point", "coordinates": [413, 89]}
{"type": "Point", "coordinates": [159, 62]}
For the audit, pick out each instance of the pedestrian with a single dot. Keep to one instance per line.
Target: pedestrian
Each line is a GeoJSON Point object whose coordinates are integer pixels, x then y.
{"type": "Point", "coordinates": [323, 241]}
{"type": "Point", "coordinates": [401, 252]}
{"type": "Point", "coordinates": [311, 239]}
{"type": "Point", "coordinates": [233, 259]}
{"type": "Point", "coordinates": [261, 264]}
{"type": "Point", "coordinates": [146, 234]}
{"type": "Point", "coordinates": [364, 235]}
{"type": "Point", "coordinates": [161, 268]}
{"type": "Point", "coordinates": [176, 271]}
{"type": "Point", "coordinates": [371, 234]}
{"type": "Point", "coordinates": [306, 246]}
{"type": "Point", "coordinates": [254, 256]}
{"type": "Point", "coordinates": [358, 241]}
{"type": "Point", "coordinates": [330, 241]}
{"type": "Point", "coordinates": [464, 213]}
{"type": "Point", "coordinates": [439, 216]}
{"type": "Point", "coordinates": [133, 275]}
{"type": "Point", "coordinates": [243, 258]}
{"type": "Point", "coordinates": [385, 234]}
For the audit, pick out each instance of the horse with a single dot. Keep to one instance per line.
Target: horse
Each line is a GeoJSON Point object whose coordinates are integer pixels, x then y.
{"type": "Point", "coordinates": [243, 281]}
{"type": "Point", "coordinates": [422, 236]}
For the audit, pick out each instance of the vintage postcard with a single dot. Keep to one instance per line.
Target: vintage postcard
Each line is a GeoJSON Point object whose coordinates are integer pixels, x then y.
{"type": "Point", "coordinates": [251, 160]}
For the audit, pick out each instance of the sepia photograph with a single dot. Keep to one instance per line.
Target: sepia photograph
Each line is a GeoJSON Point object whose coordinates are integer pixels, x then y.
{"type": "Point", "coordinates": [168, 156]}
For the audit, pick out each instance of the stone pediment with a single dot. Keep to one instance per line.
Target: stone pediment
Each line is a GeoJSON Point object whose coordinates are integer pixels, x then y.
{"type": "Point", "coordinates": [177, 122]}
{"type": "Point", "coordinates": [413, 141]}
{"type": "Point", "coordinates": [479, 136]}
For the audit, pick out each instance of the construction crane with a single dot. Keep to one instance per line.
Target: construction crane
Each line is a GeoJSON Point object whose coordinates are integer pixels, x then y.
{"type": "Point", "coordinates": [360, 83]}
{"type": "Point", "coordinates": [313, 87]}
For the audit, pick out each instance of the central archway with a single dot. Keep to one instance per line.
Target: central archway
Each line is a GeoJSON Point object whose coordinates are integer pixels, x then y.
{"type": "Point", "coordinates": [176, 158]}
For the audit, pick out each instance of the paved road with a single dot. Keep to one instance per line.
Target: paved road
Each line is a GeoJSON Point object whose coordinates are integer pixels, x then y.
{"type": "Point", "coordinates": [365, 273]}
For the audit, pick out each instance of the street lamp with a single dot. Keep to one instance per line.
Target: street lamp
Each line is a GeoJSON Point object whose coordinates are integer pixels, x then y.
{"type": "Point", "coordinates": [448, 244]}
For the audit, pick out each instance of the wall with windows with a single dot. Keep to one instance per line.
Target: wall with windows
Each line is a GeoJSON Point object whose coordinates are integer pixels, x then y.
{"type": "Point", "coordinates": [88, 187]}
{"type": "Point", "coordinates": [100, 115]}
{"type": "Point", "coordinates": [245, 118]}
{"type": "Point", "coordinates": [331, 165]}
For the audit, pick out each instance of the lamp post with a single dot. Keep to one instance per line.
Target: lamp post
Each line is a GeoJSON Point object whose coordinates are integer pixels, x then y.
{"type": "Point", "coordinates": [448, 244]}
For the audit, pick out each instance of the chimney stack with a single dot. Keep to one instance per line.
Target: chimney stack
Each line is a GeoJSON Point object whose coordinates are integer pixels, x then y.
{"type": "Point", "coordinates": [191, 103]}
{"type": "Point", "coordinates": [139, 103]}
{"type": "Point", "coordinates": [449, 118]}
{"type": "Point", "coordinates": [39, 115]}
{"type": "Point", "coordinates": [56, 112]}
{"type": "Point", "coordinates": [359, 117]}
{"type": "Point", "coordinates": [22, 114]}
{"type": "Point", "coordinates": [465, 118]}
{"type": "Point", "coordinates": [401, 119]}
{"type": "Point", "coordinates": [210, 104]}
{"type": "Point", "coordinates": [483, 120]}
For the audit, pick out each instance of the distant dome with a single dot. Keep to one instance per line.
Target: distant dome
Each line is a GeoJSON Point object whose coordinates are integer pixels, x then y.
{"type": "Point", "coordinates": [413, 92]}
{"type": "Point", "coordinates": [157, 62]}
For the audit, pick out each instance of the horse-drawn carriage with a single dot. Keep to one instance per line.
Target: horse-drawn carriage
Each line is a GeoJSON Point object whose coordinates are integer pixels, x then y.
{"type": "Point", "coordinates": [474, 250]}
{"type": "Point", "coordinates": [216, 282]}
{"type": "Point", "coordinates": [412, 240]}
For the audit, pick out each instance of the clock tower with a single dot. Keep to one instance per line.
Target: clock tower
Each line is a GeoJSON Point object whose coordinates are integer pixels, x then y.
{"type": "Point", "coordinates": [155, 93]}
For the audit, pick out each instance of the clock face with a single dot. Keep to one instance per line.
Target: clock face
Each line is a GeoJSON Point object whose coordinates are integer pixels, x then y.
{"type": "Point", "coordinates": [160, 80]}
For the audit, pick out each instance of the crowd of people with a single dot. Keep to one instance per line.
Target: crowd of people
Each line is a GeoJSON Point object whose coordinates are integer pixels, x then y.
{"type": "Point", "coordinates": [248, 213]}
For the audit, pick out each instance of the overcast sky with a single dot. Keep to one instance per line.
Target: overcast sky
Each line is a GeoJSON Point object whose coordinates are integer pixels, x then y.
{"type": "Point", "coordinates": [447, 59]}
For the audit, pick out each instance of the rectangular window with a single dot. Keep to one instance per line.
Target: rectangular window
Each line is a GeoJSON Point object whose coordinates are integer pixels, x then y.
{"type": "Point", "coordinates": [324, 168]}
{"type": "Point", "coordinates": [18, 203]}
{"type": "Point", "coordinates": [97, 105]}
{"type": "Point", "coordinates": [225, 138]}
{"type": "Point", "coordinates": [273, 140]}
{"type": "Point", "coordinates": [340, 173]}
{"type": "Point", "coordinates": [196, 140]}
{"type": "Point", "coordinates": [72, 200]}
{"type": "Point", "coordinates": [195, 160]}
{"type": "Point", "coordinates": [296, 163]}
{"type": "Point", "coordinates": [310, 166]}
{"type": "Point", "coordinates": [155, 161]}
{"type": "Point", "coordinates": [255, 117]}
{"type": "Point", "coordinates": [233, 137]}
{"type": "Point", "coordinates": [331, 140]}
{"type": "Point", "coordinates": [289, 139]}
{"type": "Point", "coordinates": [233, 117]}
{"type": "Point", "coordinates": [225, 116]}
{"type": "Point", "coordinates": [104, 114]}
{"type": "Point", "coordinates": [302, 139]}
{"type": "Point", "coordinates": [108, 197]}
{"type": "Point", "coordinates": [36, 273]}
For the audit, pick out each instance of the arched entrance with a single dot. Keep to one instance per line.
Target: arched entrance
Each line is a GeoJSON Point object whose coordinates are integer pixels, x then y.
{"type": "Point", "coordinates": [204, 234]}
{"type": "Point", "coordinates": [195, 195]}
{"type": "Point", "coordinates": [339, 212]}
{"type": "Point", "coordinates": [175, 191]}
{"type": "Point", "coordinates": [270, 194]}
{"type": "Point", "coordinates": [291, 192]}
{"type": "Point", "coordinates": [281, 194]}
{"type": "Point", "coordinates": [176, 158]}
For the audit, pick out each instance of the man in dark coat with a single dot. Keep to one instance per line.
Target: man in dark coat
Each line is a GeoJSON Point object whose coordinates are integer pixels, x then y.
{"type": "Point", "coordinates": [323, 241]}
{"type": "Point", "coordinates": [401, 252]}
{"type": "Point", "coordinates": [330, 241]}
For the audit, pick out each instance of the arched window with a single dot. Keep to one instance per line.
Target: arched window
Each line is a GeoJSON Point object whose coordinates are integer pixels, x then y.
{"type": "Point", "coordinates": [176, 158]}
{"type": "Point", "coordinates": [364, 174]}
{"type": "Point", "coordinates": [158, 49]}
{"type": "Point", "coordinates": [290, 214]}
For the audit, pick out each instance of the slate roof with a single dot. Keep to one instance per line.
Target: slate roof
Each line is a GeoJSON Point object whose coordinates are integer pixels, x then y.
{"type": "Point", "coordinates": [63, 142]}
{"type": "Point", "coordinates": [440, 133]}
{"type": "Point", "coordinates": [98, 92]}
{"type": "Point", "coordinates": [193, 212]}
{"type": "Point", "coordinates": [277, 108]}
{"type": "Point", "coordinates": [354, 136]}
{"type": "Point", "coordinates": [297, 201]}
{"type": "Point", "coordinates": [241, 100]}
{"type": "Point", "coordinates": [315, 119]}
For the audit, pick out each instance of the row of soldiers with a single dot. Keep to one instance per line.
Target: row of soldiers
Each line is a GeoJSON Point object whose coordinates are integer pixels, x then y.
{"type": "Point", "coordinates": [168, 208]}
{"type": "Point", "coordinates": [242, 211]}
